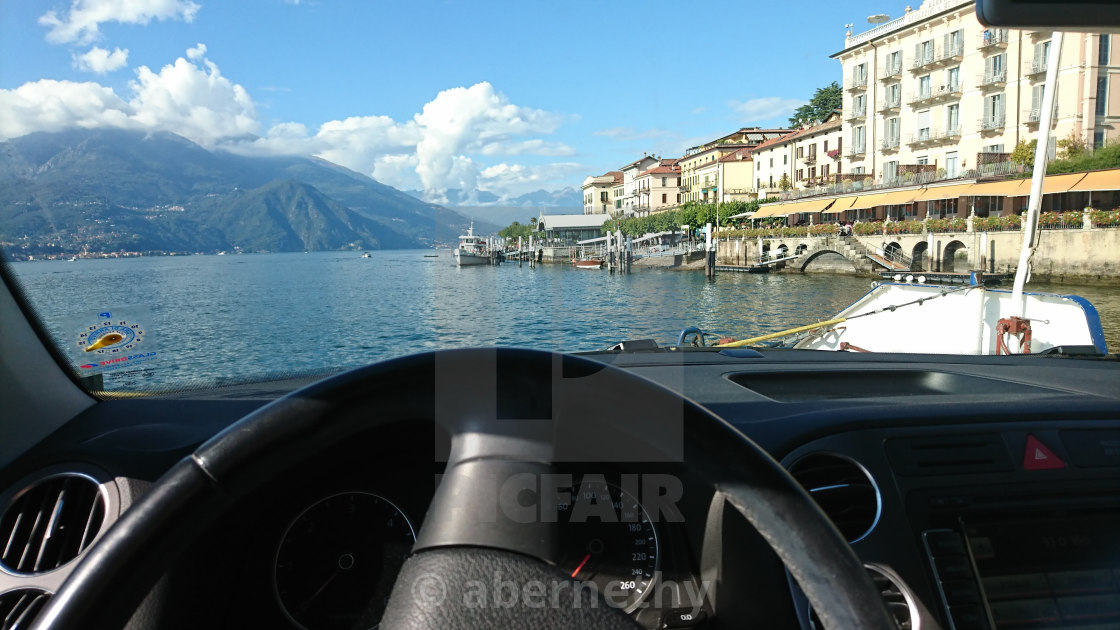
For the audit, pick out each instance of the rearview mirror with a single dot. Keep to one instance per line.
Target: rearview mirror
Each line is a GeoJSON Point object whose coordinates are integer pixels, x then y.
{"type": "Point", "coordinates": [1085, 15]}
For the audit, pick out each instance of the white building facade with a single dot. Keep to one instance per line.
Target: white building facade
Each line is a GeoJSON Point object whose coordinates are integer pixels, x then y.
{"type": "Point", "coordinates": [934, 94]}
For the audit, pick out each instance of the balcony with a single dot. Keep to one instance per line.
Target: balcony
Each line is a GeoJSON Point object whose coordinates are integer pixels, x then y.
{"type": "Point", "coordinates": [931, 137]}
{"type": "Point", "coordinates": [936, 94]}
{"type": "Point", "coordinates": [922, 138]}
{"type": "Point", "coordinates": [993, 39]}
{"type": "Point", "coordinates": [890, 104]}
{"type": "Point", "coordinates": [857, 114]}
{"type": "Point", "coordinates": [810, 159]}
{"type": "Point", "coordinates": [1033, 116]}
{"type": "Point", "coordinates": [953, 53]}
{"type": "Point", "coordinates": [923, 59]}
{"type": "Point", "coordinates": [856, 83]}
{"type": "Point", "coordinates": [856, 152]}
{"type": "Point", "coordinates": [891, 72]}
{"type": "Point", "coordinates": [992, 79]}
{"type": "Point", "coordinates": [921, 96]}
{"type": "Point", "coordinates": [1038, 66]}
{"type": "Point", "coordinates": [889, 144]}
{"type": "Point", "coordinates": [992, 123]}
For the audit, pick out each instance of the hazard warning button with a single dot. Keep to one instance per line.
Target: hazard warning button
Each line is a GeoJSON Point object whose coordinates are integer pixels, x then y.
{"type": "Point", "coordinates": [1038, 457]}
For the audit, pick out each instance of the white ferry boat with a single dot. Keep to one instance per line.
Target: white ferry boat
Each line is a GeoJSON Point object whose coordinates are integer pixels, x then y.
{"type": "Point", "coordinates": [472, 249]}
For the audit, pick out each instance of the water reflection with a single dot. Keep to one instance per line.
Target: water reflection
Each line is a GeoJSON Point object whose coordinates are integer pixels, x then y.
{"type": "Point", "coordinates": [245, 317]}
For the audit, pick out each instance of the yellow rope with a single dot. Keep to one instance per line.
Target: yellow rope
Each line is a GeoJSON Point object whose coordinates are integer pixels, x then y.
{"type": "Point", "coordinates": [784, 333]}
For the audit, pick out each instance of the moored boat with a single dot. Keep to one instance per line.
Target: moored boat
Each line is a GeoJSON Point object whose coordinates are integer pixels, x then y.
{"type": "Point", "coordinates": [588, 263]}
{"type": "Point", "coordinates": [472, 249]}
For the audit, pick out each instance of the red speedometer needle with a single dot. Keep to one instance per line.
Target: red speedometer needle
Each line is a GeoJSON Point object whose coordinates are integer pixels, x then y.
{"type": "Point", "coordinates": [585, 559]}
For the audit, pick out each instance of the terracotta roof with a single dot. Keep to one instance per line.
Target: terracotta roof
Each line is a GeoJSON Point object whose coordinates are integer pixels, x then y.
{"type": "Point", "coordinates": [617, 175]}
{"type": "Point", "coordinates": [742, 155]}
{"type": "Point", "coordinates": [664, 168]}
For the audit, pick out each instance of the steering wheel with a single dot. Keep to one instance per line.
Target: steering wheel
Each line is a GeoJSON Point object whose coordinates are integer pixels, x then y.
{"type": "Point", "coordinates": [508, 412]}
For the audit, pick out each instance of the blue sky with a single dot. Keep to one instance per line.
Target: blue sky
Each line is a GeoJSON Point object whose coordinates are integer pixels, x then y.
{"type": "Point", "coordinates": [508, 97]}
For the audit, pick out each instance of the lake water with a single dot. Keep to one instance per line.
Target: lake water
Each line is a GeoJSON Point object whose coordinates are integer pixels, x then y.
{"type": "Point", "coordinates": [247, 316]}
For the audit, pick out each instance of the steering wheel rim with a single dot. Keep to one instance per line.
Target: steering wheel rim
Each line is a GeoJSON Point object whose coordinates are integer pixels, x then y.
{"type": "Point", "coordinates": [545, 406]}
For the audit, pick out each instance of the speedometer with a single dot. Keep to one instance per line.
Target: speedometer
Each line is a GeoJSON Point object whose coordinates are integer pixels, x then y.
{"type": "Point", "coordinates": [337, 562]}
{"type": "Point", "coordinates": [609, 540]}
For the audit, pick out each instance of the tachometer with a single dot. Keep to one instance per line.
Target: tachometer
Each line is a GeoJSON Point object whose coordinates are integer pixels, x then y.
{"type": "Point", "coordinates": [609, 539]}
{"type": "Point", "coordinates": [338, 560]}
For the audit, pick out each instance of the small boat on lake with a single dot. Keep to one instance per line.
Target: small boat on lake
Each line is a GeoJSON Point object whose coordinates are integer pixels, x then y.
{"type": "Point", "coordinates": [472, 250]}
{"type": "Point", "coordinates": [588, 263]}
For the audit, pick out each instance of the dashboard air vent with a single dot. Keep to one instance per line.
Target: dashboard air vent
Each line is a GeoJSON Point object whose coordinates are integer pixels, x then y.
{"type": "Point", "coordinates": [899, 604]}
{"type": "Point", "coordinates": [50, 523]}
{"type": "Point", "coordinates": [19, 608]}
{"type": "Point", "coordinates": [843, 489]}
{"type": "Point", "coordinates": [946, 455]}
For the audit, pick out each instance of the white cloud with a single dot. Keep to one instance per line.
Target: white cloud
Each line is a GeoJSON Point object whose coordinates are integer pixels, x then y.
{"type": "Point", "coordinates": [81, 24]}
{"type": "Point", "coordinates": [397, 170]}
{"type": "Point", "coordinates": [462, 120]}
{"type": "Point", "coordinates": [512, 180]}
{"type": "Point", "coordinates": [101, 61]}
{"type": "Point", "coordinates": [49, 105]}
{"type": "Point", "coordinates": [193, 100]}
{"type": "Point", "coordinates": [190, 99]}
{"type": "Point", "coordinates": [444, 146]}
{"type": "Point", "coordinates": [770, 108]}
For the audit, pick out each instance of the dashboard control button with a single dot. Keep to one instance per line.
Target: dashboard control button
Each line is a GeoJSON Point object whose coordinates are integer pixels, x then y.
{"type": "Point", "coordinates": [1093, 448]}
{"type": "Point", "coordinates": [945, 543]}
{"type": "Point", "coordinates": [1038, 456]}
{"type": "Point", "coordinates": [953, 568]}
{"type": "Point", "coordinates": [683, 618]}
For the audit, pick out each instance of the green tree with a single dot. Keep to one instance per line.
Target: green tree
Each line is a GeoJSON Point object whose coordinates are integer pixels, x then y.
{"type": "Point", "coordinates": [1023, 153]}
{"type": "Point", "coordinates": [825, 101]}
{"type": "Point", "coordinates": [515, 229]}
{"type": "Point", "coordinates": [1072, 146]}
{"type": "Point", "coordinates": [784, 182]}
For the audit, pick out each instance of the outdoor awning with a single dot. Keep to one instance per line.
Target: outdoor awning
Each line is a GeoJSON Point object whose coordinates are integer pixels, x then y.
{"type": "Point", "coordinates": [742, 215]}
{"type": "Point", "coordinates": [815, 205]}
{"type": "Point", "coordinates": [1099, 180]}
{"type": "Point", "coordinates": [1010, 188]}
{"type": "Point", "coordinates": [842, 204]}
{"type": "Point", "coordinates": [944, 192]}
{"type": "Point", "coordinates": [899, 198]}
{"type": "Point", "coordinates": [780, 210]}
{"type": "Point", "coordinates": [869, 201]}
{"type": "Point", "coordinates": [1060, 183]}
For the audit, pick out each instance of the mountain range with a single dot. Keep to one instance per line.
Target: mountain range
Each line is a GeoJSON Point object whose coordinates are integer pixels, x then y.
{"type": "Point", "coordinates": [107, 190]}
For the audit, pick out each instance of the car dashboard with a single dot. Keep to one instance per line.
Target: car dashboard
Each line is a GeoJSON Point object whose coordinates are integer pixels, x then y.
{"type": "Point", "coordinates": [979, 492]}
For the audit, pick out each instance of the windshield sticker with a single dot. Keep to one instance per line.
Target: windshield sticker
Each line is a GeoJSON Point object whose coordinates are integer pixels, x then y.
{"type": "Point", "coordinates": [111, 340]}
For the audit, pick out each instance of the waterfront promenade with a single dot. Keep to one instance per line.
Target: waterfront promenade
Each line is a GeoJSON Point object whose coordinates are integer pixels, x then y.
{"type": "Point", "coordinates": [1077, 251]}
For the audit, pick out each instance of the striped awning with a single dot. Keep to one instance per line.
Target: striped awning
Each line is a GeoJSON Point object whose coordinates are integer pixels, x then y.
{"type": "Point", "coordinates": [945, 192]}
{"type": "Point", "coordinates": [1059, 183]}
{"type": "Point", "coordinates": [1010, 188]}
{"type": "Point", "coordinates": [1099, 180]}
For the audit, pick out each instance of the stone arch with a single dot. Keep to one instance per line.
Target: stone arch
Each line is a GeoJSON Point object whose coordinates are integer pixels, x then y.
{"type": "Point", "coordinates": [949, 255]}
{"type": "Point", "coordinates": [893, 247]}
{"type": "Point", "coordinates": [918, 256]}
{"type": "Point", "coordinates": [834, 257]}
{"type": "Point", "coordinates": [782, 251]}
{"type": "Point", "coordinates": [800, 249]}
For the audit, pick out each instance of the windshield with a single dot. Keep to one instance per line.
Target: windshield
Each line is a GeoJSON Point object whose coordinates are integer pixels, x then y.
{"type": "Point", "coordinates": [197, 193]}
